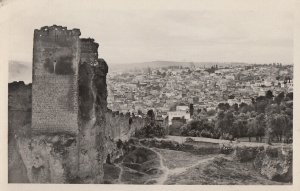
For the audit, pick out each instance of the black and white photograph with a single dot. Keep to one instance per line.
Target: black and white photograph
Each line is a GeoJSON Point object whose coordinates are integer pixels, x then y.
{"type": "Point", "coordinates": [149, 93]}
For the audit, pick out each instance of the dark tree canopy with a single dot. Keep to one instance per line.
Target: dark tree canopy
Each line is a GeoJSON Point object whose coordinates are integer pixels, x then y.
{"type": "Point", "coordinates": [151, 114]}
{"type": "Point", "coordinates": [289, 95]}
{"type": "Point", "coordinates": [279, 98]}
{"type": "Point", "coordinates": [223, 106]}
{"type": "Point", "coordinates": [269, 94]}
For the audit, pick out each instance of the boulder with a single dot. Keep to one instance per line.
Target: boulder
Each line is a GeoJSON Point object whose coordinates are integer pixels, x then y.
{"type": "Point", "coordinates": [275, 163]}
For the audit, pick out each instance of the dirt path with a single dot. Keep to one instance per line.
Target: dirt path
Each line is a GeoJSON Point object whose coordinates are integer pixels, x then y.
{"type": "Point", "coordinates": [178, 167]}
{"type": "Point", "coordinates": [163, 167]}
{"type": "Point", "coordinates": [169, 172]}
{"type": "Point", "coordinates": [119, 181]}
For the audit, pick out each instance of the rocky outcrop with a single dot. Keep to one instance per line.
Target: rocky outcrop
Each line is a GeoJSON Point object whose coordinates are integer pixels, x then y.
{"type": "Point", "coordinates": [49, 159]}
{"type": "Point", "coordinates": [92, 109]}
{"type": "Point", "coordinates": [273, 162]}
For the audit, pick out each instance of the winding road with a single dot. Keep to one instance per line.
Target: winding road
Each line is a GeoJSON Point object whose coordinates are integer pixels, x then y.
{"type": "Point", "coordinates": [168, 172]}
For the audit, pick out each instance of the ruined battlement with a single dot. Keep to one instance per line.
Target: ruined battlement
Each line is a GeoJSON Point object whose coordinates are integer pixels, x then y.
{"type": "Point", "coordinates": [56, 32]}
{"type": "Point", "coordinates": [89, 51]}
{"type": "Point", "coordinates": [89, 45]}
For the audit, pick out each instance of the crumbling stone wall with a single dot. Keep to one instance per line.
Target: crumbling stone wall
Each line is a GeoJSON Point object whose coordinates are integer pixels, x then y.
{"type": "Point", "coordinates": [119, 129]}
{"type": "Point", "coordinates": [19, 122]}
{"type": "Point", "coordinates": [19, 107]}
{"type": "Point", "coordinates": [69, 138]}
{"type": "Point", "coordinates": [92, 109]}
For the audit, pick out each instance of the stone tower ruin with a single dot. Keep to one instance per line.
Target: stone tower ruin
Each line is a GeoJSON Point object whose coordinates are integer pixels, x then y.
{"type": "Point", "coordinates": [56, 57]}
{"type": "Point", "coordinates": [69, 98]}
{"type": "Point", "coordinates": [58, 54]}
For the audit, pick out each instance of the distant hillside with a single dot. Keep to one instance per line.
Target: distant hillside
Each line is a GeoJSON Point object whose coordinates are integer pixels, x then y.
{"type": "Point", "coordinates": [22, 71]}
{"type": "Point", "coordinates": [157, 64]}
{"type": "Point", "coordinates": [19, 71]}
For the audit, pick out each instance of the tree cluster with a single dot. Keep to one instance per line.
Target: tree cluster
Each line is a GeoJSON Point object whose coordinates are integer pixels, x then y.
{"type": "Point", "coordinates": [267, 116]}
{"type": "Point", "coordinates": [151, 129]}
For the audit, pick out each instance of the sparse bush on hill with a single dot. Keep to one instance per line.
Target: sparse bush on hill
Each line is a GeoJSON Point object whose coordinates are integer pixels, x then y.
{"type": "Point", "coordinates": [150, 131]}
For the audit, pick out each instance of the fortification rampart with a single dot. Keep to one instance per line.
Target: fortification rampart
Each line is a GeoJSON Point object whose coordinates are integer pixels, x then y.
{"type": "Point", "coordinates": [72, 133]}
{"type": "Point", "coordinates": [19, 107]}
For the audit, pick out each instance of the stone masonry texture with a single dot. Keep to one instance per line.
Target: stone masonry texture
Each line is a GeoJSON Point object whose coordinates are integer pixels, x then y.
{"type": "Point", "coordinates": [56, 57]}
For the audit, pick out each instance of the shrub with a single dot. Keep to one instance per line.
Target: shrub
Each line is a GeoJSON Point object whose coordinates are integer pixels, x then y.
{"type": "Point", "coordinates": [150, 131]}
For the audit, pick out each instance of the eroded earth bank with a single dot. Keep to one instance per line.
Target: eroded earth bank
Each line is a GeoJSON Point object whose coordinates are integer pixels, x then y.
{"type": "Point", "coordinates": [153, 161]}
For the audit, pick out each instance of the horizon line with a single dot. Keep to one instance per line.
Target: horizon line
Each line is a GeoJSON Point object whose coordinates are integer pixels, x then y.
{"type": "Point", "coordinates": [181, 61]}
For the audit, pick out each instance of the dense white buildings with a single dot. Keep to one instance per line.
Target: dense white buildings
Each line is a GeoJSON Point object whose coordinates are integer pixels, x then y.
{"type": "Point", "coordinates": [178, 114]}
{"type": "Point", "coordinates": [164, 87]}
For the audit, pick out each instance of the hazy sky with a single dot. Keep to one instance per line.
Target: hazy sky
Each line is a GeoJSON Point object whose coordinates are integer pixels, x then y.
{"type": "Point", "coordinates": [248, 31]}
